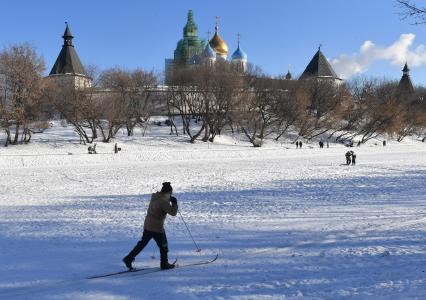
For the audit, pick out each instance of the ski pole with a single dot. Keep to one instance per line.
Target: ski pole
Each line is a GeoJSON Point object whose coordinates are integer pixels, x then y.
{"type": "Point", "coordinates": [198, 248]}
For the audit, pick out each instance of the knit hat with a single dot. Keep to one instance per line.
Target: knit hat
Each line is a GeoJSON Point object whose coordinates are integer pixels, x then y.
{"type": "Point", "coordinates": [167, 188]}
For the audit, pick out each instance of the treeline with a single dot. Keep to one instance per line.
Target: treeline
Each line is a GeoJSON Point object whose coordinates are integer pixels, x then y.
{"type": "Point", "coordinates": [28, 101]}
{"type": "Point", "coordinates": [263, 107]}
{"type": "Point", "coordinates": [208, 99]}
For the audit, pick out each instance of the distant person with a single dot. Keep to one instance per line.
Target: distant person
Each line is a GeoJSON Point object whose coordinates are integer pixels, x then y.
{"type": "Point", "coordinates": [358, 144]}
{"type": "Point", "coordinates": [348, 158]}
{"type": "Point", "coordinates": [328, 145]}
{"type": "Point", "coordinates": [92, 149]}
{"type": "Point", "coordinates": [384, 143]}
{"type": "Point", "coordinates": [353, 155]}
{"type": "Point", "coordinates": [116, 148]}
{"type": "Point", "coordinates": [321, 144]}
{"type": "Point", "coordinates": [162, 203]}
{"type": "Point", "coordinates": [297, 144]}
{"type": "Point", "coordinates": [300, 144]}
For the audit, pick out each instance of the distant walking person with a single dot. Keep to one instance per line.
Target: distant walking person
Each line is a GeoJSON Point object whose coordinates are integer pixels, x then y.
{"type": "Point", "coordinates": [297, 144]}
{"type": "Point", "coordinates": [300, 144]}
{"type": "Point", "coordinates": [321, 144]}
{"type": "Point", "coordinates": [353, 158]}
{"type": "Point", "coordinates": [162, 203]}
{"type": "Point", "coordinates": [348, 158]}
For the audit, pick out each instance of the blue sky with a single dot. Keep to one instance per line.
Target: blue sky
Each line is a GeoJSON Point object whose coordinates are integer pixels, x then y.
{"type": "Point", "coordinates": [275, 34]}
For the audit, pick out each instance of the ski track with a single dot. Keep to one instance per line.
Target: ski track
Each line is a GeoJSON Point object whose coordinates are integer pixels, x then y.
{"type": "Point", "coordinates": [287, 223]}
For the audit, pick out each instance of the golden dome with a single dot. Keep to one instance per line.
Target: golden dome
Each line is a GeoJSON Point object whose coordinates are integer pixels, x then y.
{"type": "Point", "coordinates": [218, 44]}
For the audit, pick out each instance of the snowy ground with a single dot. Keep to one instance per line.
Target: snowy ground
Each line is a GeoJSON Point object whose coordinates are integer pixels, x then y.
{"type": "Point", "coordinates": [287, 223]}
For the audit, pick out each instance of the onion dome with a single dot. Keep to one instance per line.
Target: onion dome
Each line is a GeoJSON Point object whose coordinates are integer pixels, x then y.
{"type": "Point", "coordinates": [239, 54]}
{"type": "Point", "coordinates": [209, 52]}
{"type": "Point", "coordinates": [218, 44]}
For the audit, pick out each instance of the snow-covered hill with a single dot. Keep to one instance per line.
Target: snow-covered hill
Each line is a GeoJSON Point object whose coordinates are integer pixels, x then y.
{"type": "Point", "coordinates": [287, 223]}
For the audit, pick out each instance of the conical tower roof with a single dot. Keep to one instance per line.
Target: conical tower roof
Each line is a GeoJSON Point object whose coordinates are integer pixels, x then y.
{"type": "Point", "coordinates": [67, 33]}
{"type": "Point", "coordinates": [288, 76]}
{"type": "Point", "coordinates": [191, 28]}
{"type": "Point", "coordinates": [68, 61]}
{"type": "Point", "coordinates": [406, 69]}
{"type": "Point", "coordinates": [405, 86]}
{"type": "Point", "coordinates": [319, 67]}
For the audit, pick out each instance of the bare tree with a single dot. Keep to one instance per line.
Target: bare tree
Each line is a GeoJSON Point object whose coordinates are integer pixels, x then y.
{"type": "Point", "coordinates": [185, 97]}
{"type": "Point", "coordinates": [420, 98]}
{"type": "Point", "coordinates": [134, 88]}
{"type": "Point", "coordinates": [410, 10]}
{"type": "Point", "coordinates": [218, 86]}
{"type": "Point", "coordinates": [412, 115]}
{"type": "Point", "coordinates": [253, 113]}
{"type": "Point", "coordinates": [381, 112]}
{"type": "Point", "coordinates": [326, 103]}
{"type": "Point", "coordinates": [79, 108]}
{"type": "Point", "coordinates": [291, 102]}
{"type": "Point", "coordinates": [22, 91]}
{"type": "Point", "coordinates": [111, 115]}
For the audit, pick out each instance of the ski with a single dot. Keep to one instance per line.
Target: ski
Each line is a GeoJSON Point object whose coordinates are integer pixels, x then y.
{"type": "Point", "coordinates": [143, 271]}
{"type": "Point", "coordinates": [206, 262]}
{"type": "Point", "coordinates": [134, 270]}
{"type": "Point", "coordinates": [178, 266]}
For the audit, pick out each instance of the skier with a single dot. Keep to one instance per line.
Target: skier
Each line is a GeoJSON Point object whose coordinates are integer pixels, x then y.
{"type": "Point", "coordinates": [348, 158]}
{"type": "Point", "coordinates": [158, 209]}
{"type": "Point", "coordinates": [353, 158]}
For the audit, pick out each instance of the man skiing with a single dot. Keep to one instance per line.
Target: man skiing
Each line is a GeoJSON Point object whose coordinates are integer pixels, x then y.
{"type": "Point", "coordinates": [162, 203]}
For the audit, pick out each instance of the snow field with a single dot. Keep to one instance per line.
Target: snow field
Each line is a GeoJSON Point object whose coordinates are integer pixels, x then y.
{"type": "Point", "coordinates": [288, 223]}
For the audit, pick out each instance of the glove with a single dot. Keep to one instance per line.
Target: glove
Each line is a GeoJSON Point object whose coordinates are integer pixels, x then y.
{"type": "Point", "coordinates": [173, 200]}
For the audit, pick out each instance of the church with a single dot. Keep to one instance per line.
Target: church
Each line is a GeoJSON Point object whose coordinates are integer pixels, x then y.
{"type": "Point", "coordinates": [191, 50]}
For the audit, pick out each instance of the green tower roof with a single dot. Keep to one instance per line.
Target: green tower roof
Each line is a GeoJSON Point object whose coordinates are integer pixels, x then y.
{"type": "Point", "coordinates": [190, 44]}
